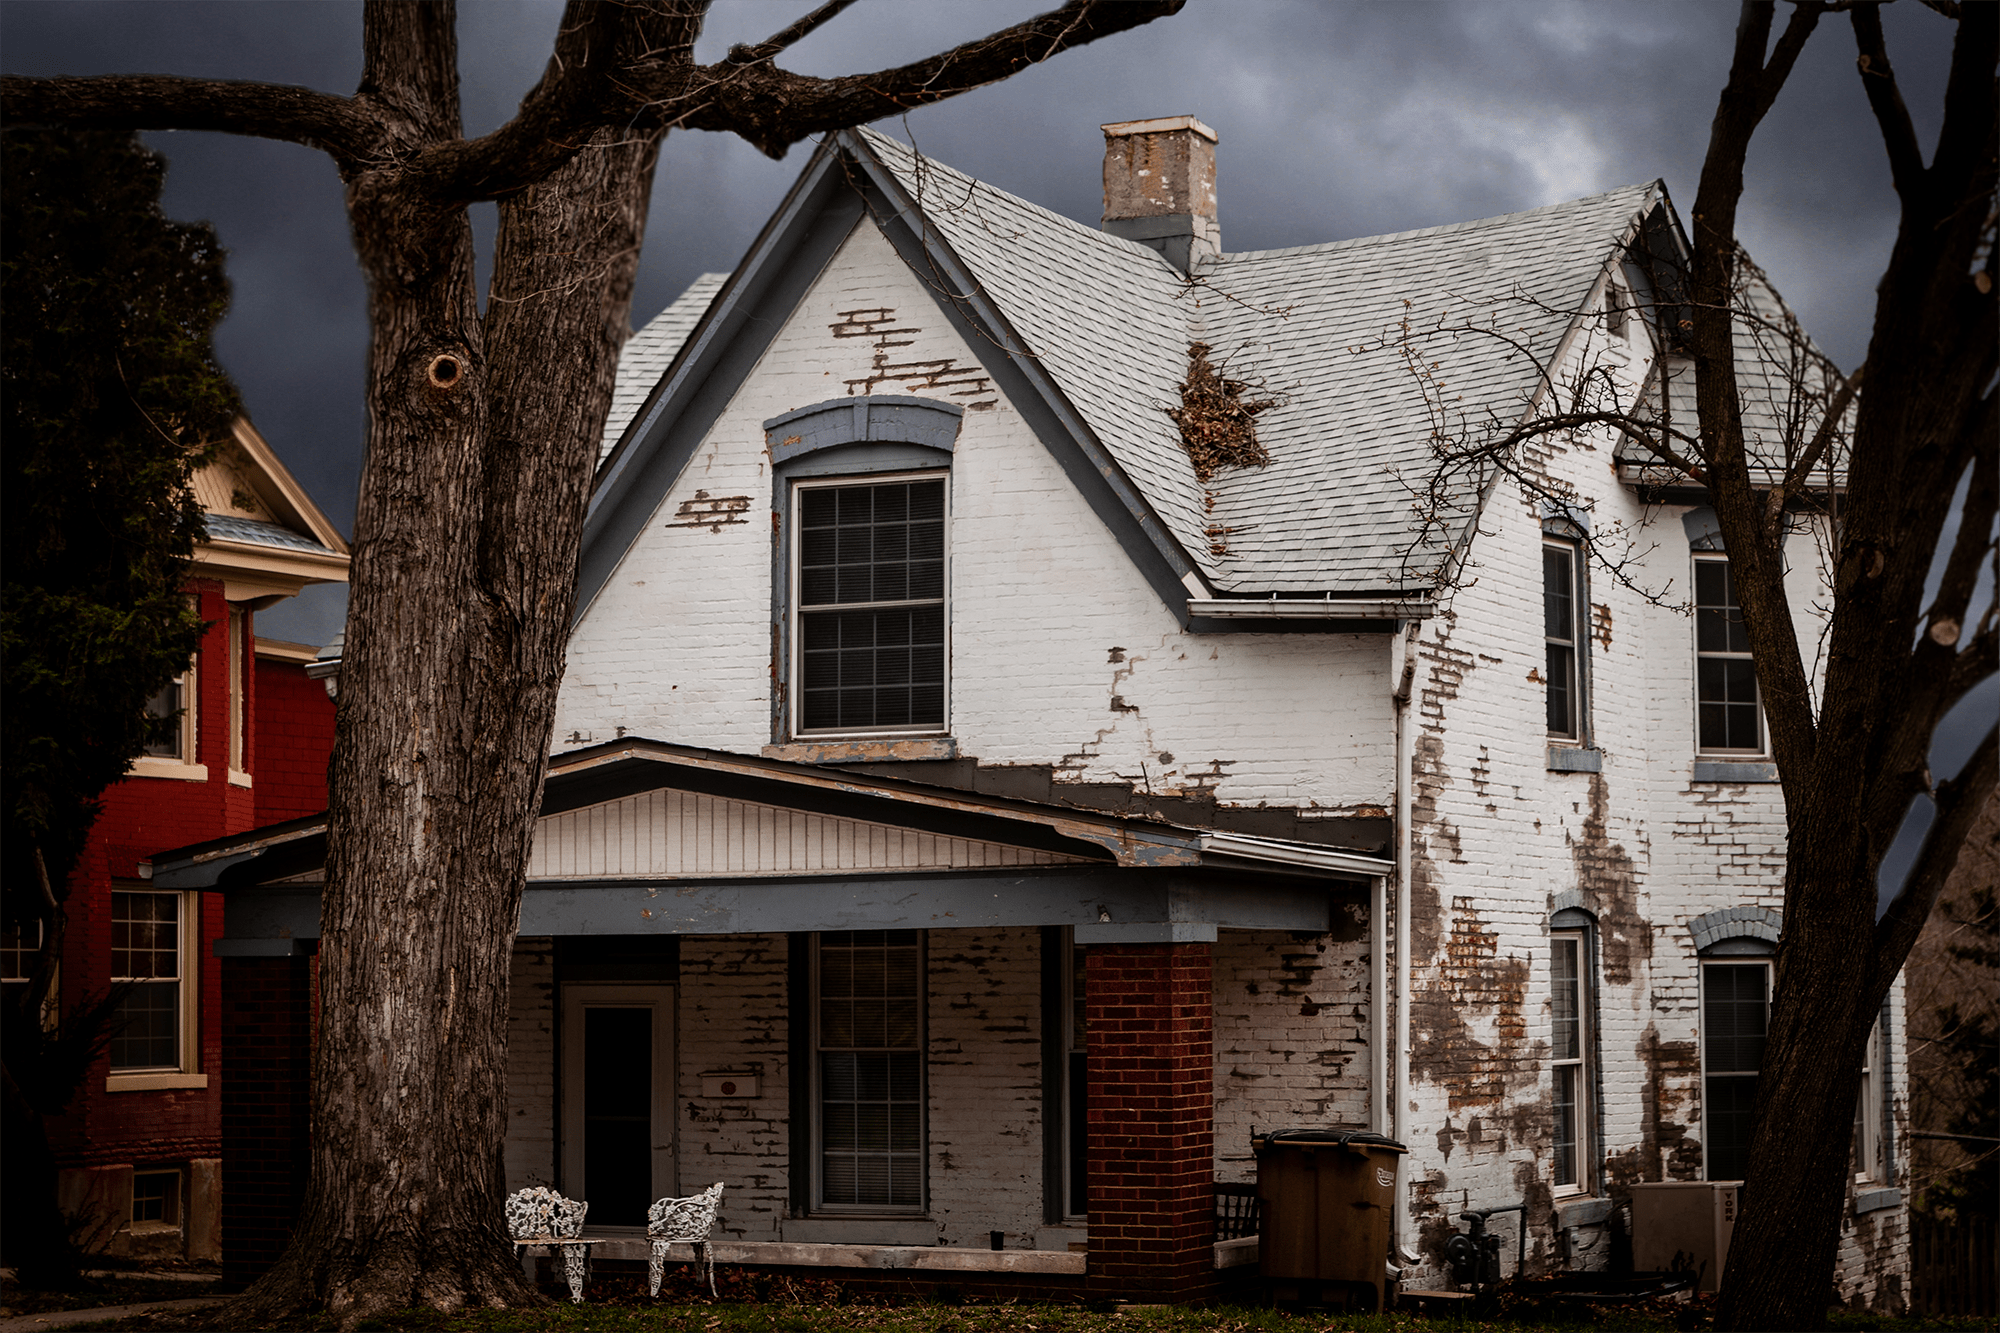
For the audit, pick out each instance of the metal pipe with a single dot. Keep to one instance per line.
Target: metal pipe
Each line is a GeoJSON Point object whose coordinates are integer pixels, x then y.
{"type": "Point", "coordinates": [1378, 1010]}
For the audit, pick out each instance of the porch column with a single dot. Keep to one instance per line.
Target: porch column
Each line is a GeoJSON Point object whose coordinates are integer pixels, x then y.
{"type": "Point", "coordinates": [1151, 1159]}
{"type": "Point", "coordinates": [266, 1067]}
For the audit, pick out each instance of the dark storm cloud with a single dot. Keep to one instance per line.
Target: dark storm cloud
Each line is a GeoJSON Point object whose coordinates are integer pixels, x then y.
{"type": "Point", "coordinates": [1336, 120]}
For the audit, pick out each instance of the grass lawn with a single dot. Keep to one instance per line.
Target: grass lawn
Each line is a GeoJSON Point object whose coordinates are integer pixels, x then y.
{"type": "Point", "coordinates": [620, 1305]}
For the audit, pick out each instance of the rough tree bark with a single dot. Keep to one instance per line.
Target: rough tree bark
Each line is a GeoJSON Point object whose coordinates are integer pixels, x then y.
{"type": "Point", "coordinates": [482, 439]}
{"type": "Point", "coordinates": [1924, 419]}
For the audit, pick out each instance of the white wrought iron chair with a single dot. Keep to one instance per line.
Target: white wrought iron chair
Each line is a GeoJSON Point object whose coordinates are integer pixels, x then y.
{"type": "Point", "coordinates": [540, 1216]}
{"type": "Point", "coordinates": [688, 1221]}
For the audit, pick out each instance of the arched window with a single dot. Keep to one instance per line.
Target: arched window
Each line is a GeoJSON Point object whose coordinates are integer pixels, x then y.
{"type": "Point", "coordinates": [1735, 945]}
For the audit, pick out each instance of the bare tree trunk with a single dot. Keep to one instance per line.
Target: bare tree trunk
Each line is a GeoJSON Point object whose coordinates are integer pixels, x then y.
{"type": "Point", "coordinates": [455, 649]}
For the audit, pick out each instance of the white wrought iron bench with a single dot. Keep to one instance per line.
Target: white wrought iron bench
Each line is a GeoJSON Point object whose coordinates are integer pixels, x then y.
{"type": "Point", "coordinates": [541, 1217]}
{"type": "Point", "coordinates": [688, 1221]}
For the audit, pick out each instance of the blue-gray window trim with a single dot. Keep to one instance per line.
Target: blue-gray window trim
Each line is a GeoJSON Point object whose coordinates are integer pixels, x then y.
{"type": "Point", "coordinates": [845, 437]}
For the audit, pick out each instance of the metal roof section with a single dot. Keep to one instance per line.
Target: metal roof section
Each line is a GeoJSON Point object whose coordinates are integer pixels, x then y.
{"type": "Point", "coordinates": [255, 532]}
{"type": "Point", "coordinates": [650, 351]}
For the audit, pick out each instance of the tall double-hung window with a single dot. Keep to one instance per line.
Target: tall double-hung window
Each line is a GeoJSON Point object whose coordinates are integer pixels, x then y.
{"type": "Point", "coordinates": [1562, 638]}
{"type": "Point", "coordinates": [1728, 719]}
{"type": "Point", "coordinates": [870, 628]}
{"type": "Point", "coordinates": [870, 1011]}
{"type": "Point", "coordinates": [1569, 1062]}
{"type": "Point", "coordinates": [1735, 1016]}
{"type": "Point", "coordinates": [149, 958]}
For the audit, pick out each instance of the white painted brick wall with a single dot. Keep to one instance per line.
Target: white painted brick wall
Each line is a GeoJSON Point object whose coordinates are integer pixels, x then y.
{"type": "Point", "coordinates": [529, 1151]}
{"type": "Point", "coordinates": [732, 1017]}
{"type": "Point", "coordinates": [984, 1084]}
{"type": "Point", "coordinates": [678, 645]}
{"type": "Point", "coordinates": [1291, 1038]}
{"type": "Point", "coordinates": [1500, 836]}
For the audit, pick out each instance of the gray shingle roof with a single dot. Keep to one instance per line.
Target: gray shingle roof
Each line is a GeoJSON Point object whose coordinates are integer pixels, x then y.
{"type": "Point", "coordinates": [1319, 325]}
{"type": "Point", "coordinates": [650, 351]}
{"type": "Point", "coordinates": [226, 527]}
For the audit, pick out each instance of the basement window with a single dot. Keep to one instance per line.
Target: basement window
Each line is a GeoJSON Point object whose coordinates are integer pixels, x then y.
{"type": "Point", "coordinates": [156, 1200]}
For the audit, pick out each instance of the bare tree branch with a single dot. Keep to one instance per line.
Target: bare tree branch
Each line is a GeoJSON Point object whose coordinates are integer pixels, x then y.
{"type": "Point", "coordinates": [773, 108]}
{"type": "Point", "coordinates": [1885, 99]}
{"type": "Point", "coordinates": [778, 41]}
{"type": "Point", "coordinates": [1800, 472]}
{"type": "Point", "coordinates": [340, 126]}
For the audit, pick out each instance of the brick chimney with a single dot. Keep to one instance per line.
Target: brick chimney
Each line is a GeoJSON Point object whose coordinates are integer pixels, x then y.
{"type": "Point", "coordinates": [1159, 187]}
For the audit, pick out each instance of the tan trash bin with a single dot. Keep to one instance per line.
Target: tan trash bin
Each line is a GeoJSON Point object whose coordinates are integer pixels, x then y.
{"type": "Point", "coordinates": [1327, 1198]}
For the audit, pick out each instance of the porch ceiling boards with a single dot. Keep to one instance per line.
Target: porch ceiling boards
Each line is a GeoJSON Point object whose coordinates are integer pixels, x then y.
{"type": "Point", "coordinates": [640, 837]}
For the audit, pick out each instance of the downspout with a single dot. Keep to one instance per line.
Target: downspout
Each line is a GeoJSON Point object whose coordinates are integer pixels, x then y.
{"type": "Point", "coordinates": [1400, 1089]}
{"type": "Point", "coordinates": [1378, 1010]}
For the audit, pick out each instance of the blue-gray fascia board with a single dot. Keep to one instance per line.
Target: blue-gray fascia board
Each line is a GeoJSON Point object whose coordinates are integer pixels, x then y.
{"type": "Point", "coordinates": [794, 248]}
{"type": "Point", "coordinates": [1096, 899]}
{"type": "Point", "coordinates": [289, 912]}
{"type": "Point", "coordinates": [1029, 388]}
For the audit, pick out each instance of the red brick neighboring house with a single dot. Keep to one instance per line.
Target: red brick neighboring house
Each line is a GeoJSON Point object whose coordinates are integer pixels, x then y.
{"type": "Point", "coordinates": [140, 1146]}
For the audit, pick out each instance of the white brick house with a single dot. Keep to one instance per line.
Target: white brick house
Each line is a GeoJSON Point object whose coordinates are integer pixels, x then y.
{"type": "Point", "coordinates": [980, 820]}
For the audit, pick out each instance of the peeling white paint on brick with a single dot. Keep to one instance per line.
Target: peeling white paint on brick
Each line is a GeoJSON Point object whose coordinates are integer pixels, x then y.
{"type": "Point", "coordinates": [678, 645]}
{"type": "Point", "coordinates": [733, 1016]}
{"type": "Point", "coordinates": [1291, 1032]}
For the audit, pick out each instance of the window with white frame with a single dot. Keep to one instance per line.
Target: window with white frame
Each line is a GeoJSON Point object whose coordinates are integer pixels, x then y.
{"type": "Point", "coordinates": [171, 711]}
{"type": "Point", "coordinates": [1869, 1164]}
{"type": "Point", "coordinates": [1562, 639]}
{"type": "Point", "coordinates": [1728, 719]}
{"type": "Point", "coordinates": [20, 950]}
{"type": "Point", "coordinates": [156, 1200]}
{"type": "Point", "coordinates": [1569, 1059]}
{"type": "Point", "coordinates": [1735, 1014]}
{"type": "Point", "coordinates": [869, 1025]}
{"type": "Point", "coordinates": [148, 956]}
{"type": "Point", "coordinates": [869, 631]}
{"type": "Point", "coordinates": [239, 688]}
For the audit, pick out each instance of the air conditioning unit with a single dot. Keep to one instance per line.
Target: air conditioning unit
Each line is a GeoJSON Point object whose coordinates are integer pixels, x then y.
{"type": "Point", "coordinates": [1683, 1226]}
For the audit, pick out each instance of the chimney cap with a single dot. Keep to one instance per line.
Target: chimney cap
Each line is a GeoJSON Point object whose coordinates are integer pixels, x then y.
{"type": "Point", "coordinates": [1158, 125]}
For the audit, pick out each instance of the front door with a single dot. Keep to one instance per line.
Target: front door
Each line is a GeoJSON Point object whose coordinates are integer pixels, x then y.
{"type": "Point", "coordinates": [617, 1100]}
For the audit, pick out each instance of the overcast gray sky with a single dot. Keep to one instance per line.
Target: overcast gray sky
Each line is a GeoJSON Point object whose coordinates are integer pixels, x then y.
{"type": "Point", "coordinates": [1337, 119]}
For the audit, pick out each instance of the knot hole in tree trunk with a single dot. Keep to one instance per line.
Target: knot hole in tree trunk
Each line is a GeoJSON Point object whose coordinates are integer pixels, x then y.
{"type": "Point", "coordinates": [446, 370]}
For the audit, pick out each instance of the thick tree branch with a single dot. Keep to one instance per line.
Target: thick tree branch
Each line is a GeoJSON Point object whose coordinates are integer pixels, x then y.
{"type": "Point", "coordinates": [409, 63]}
{"type": "Point", "coordinates": [340, 126]}
{"type": "Point", "coordinates": [773, 108]}
{"type": "Point", "coordinates": [1885, 99]}
{"type": "Point", "coordinates": [1958, 804]}
{"type": "Point", "coordinates": [778, 41]}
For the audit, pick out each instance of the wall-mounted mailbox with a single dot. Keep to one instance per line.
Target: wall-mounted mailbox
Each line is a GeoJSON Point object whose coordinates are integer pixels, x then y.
{"type": "Point", "coordinates": [729, 1085]}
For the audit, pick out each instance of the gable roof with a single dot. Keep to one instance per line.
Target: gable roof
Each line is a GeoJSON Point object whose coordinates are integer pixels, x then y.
{"type": "Point", "coordinates": [1089, 334]}
{"type": "Point", "coordinates": [264, 535]}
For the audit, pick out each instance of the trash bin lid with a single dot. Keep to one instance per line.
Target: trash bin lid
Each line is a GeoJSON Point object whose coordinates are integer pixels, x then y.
{"type": "Point", "coordinates": [1345, 1138]}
